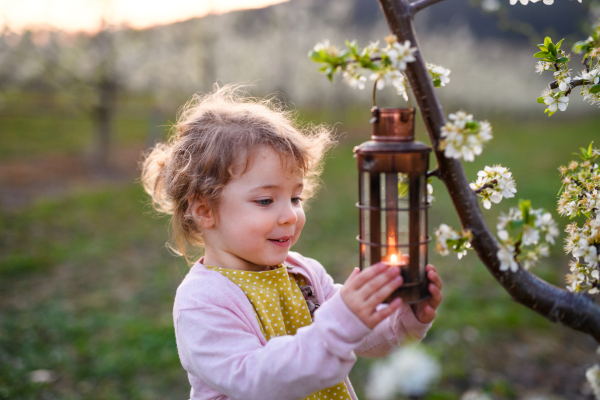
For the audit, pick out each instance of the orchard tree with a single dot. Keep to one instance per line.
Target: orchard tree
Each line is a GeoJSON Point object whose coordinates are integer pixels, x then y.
{"type": "Point", "coordinates": [524, 233]}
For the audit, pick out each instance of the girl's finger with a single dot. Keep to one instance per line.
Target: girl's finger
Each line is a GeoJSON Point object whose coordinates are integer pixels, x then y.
{"type": "Point", "coordinates": [382, 314]}
{"type": "Point", "coordinates": [427, 315]}
{"type": "Point", "coordinates": [378, 281]}
{"type": "Point", "coordinates": [350, 278]}
{"type": "Point", "coordinates": [384, 292]}
{"type": "Point", "coordinates": [368, 274]}
{"type": "Point", "coordinates": [436, 295]}
{"type": "Point", "coordinates": [435, 279]}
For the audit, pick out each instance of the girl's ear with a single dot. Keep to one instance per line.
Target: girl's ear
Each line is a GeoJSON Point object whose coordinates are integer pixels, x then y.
{"type": "Point", "coordinates": [203, 215]}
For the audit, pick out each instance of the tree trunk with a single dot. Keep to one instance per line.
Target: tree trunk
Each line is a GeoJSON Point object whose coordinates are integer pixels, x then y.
{"type": "Point", "coordinates": [103, 117]}
{"type": "Point", "coordinates": [574, 310]}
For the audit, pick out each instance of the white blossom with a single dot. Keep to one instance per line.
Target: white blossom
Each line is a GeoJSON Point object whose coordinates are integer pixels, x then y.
{"type": "Point", "coordinates": [544, 250]}
{"type": "Point", "coordinates": [42, 376]}
{"type": "Point", "coordinates": [391, 77]}
{"type": "Point", "coordinates": [542, 66]}
{"type": "Point", "coordinates": [530, 235]}
{"type": "Point", "coordinates": [475, 395]}
{"type": "Point", "coordinates": [500, 185]}
{"type": "Point", "coordinates": [490, 5]}
{"type": "Point", "coordinates": [525, 2]}
{"type": "Point", "coordinates": [593, 377]}
{"type": "Point", "coordinates": [506, 255]}
{"type": "Point", "coordinates": [503, 235]}
{"type": "Point", "coordinates": [559, 102]}
{"type": "Point", "coordinates": [531, 258]}
{"type": "Point", "coordinates": [443, 234]}
{"type": "Point", "coordinates": [354, 79]}
{"type": "Point", "coordinates": [324, 45]}
{"type": "Point", "coordinates": [409, 372]}
{"type": "Point", "coordinates": [514, 214]}
{"type": "Point", "coordinates": [439, 74]}
{"type": "Point", "coordinates": [587, 251]}
{"type": "Point", "coordinates": [460, 118]}
{"type": "Point", "coordinates": [546, 223]}
{"type": "Point", "coordinates": [400, 54]}
{"type": "Point", "coordinates": [563, 84]}
{"type": "Point", "coordinates": [463, 137]}
{"type": "Point", "coordinates": [592, 77]}
{"type": "Point", "coordinates": [430, 197]}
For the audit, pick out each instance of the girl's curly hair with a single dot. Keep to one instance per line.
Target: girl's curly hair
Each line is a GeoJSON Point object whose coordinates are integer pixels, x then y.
{"type": "Point", "coordinates": [211, 143]}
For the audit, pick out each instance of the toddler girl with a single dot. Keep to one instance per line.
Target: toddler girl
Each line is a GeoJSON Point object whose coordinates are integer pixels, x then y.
{"type": "Point", "coordinates": [254, 320]}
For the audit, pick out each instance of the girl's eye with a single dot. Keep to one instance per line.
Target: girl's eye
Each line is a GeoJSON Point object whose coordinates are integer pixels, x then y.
{"type": "Point", "coordinates": [296, 200]}
{"type": "Point", "coordinates": [263, 202]}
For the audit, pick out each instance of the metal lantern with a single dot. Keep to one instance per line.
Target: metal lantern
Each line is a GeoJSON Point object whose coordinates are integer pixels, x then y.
{"type": "Point", "coordinates": [393, 200]}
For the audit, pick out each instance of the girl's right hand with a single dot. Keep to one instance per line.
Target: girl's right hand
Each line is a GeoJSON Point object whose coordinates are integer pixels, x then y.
{"type": "Point", "coordinates": [364, 290]}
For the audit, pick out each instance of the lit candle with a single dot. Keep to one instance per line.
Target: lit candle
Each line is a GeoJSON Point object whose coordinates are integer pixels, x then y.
{"type": "Point", "coordinates": [395, 260]}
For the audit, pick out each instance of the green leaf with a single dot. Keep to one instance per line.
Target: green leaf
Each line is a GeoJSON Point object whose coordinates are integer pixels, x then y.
{"type": "Point", "coordinates": [516, 224]}
{"type": "Point", "coordinates": [540, 100]}
{"type": "Point", "coordinates": [542, 47]}
{"type": "Point", "coordinates": [472, 125]}
{"type": "Point", "coordinates": [563, 60]}
{"type": "Point", "coordinates": [525, 207]}
{"type": "Point", "coordinates": [581, 47]}
{"type": "Point", "coordinates": [559, 43]}
{"type": "Point", "coordinates": [402, 189]}
{"type": "Point", "coordinates": [595, 89]}
{"type": "Point", "coordinates": [590, 150]}
{"type": "Point", "coordinates": [547, 41]}
{"type": "Point", "coordinates": [583, 152]}
{"type": "Point", "coordinates": [541, 54]}
{"type": "Point", "coordinates": [330, 71]}
{"type": "Point", "coordinates": [552, 49]}
{"type": "Point", "coordinates": [315, 56]}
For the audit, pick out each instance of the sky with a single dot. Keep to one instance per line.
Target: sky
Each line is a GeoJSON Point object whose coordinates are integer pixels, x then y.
{"type": "Point", "coordinates": [85, 15]}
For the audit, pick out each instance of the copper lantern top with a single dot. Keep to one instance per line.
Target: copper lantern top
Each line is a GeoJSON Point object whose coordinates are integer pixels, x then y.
{"type": "Point", "coordinates": [393, 133]}
{"type": "Point", "coordinates": [393, 124]}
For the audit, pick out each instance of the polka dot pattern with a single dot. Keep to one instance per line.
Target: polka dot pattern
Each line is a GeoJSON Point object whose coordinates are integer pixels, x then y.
{"type": "Point", "coordinates": [280, 309]}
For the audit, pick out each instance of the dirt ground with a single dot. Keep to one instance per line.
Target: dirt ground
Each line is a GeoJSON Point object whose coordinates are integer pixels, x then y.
{"type": "Point", "coordinates": [24, 181]}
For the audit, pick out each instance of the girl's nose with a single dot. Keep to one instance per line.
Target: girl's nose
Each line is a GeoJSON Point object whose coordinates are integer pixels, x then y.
{"type": "Point", "coordinates": [288, 215]}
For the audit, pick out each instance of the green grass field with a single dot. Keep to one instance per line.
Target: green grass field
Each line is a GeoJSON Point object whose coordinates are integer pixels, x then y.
{"type": "Point", "coordinates": [87, 284]}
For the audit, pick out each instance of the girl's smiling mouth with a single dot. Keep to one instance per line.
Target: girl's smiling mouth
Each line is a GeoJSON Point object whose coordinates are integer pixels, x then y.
{"type": "Point", "coordinates": [282, 241]}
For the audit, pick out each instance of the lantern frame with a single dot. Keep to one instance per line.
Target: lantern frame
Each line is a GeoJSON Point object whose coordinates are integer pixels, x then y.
{"type": "Point", "coordinates": [384, 164]}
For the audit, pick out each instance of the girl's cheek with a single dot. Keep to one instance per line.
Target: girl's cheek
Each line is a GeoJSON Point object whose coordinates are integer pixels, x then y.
{"type": "Point", "coordinates": [299, 225]}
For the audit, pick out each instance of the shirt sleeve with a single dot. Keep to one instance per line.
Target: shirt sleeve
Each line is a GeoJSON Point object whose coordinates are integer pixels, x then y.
{"type": "Point", "coordinates": [390, 333]}
{"type": "Point", "coordinates": [402, 325]}
{"type": "Point", "coordinates": [220, 348]}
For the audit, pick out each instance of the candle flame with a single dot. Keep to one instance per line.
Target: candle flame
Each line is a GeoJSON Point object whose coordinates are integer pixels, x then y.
{"type": "Point", "coordinates": [393, 259]}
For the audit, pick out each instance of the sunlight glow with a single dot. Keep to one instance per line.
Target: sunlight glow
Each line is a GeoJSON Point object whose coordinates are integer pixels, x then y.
{"type": "Point", "coordinates": [86, 15]}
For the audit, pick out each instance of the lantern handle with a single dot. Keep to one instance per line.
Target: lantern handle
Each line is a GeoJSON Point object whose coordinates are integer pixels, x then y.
{"type": "Point", "coordinates": [436, 172]}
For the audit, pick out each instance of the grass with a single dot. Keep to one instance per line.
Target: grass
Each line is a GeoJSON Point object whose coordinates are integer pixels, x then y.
{"type": "Point", "coordinates": [87, 285]}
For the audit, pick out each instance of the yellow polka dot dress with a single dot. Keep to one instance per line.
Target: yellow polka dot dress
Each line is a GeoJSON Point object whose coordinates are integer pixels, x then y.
{"type": "Point", "coordinates": [280, 309]}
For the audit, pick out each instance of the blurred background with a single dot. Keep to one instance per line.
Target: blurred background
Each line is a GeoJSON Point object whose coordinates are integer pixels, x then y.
{"type": "Point", "coordinates": [86, 282]}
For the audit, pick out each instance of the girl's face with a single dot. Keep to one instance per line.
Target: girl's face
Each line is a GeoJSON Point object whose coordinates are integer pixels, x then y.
{"type": "Point", "coordinates": [260, 216]}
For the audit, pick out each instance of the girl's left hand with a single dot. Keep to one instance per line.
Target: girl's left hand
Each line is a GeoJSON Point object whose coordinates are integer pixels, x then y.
{"type": "Point", "coordinates": [425, 310]}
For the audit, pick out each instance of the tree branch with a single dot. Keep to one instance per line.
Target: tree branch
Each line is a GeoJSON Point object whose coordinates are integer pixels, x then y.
{"type": "Point", "coordinates": [572, 84]}
{"type": "Point", "coordinates": [574, 310]}
{"type": "Point", "coordinates": [421, 4]}
{"type": "Point", "coordinates": [487, 186]}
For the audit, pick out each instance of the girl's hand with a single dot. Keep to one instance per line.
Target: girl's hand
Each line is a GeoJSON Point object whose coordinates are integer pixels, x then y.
{"type": "Point", "coordinates": [364, 290]}
{"type": "Point", "coordinates": [425, 310]}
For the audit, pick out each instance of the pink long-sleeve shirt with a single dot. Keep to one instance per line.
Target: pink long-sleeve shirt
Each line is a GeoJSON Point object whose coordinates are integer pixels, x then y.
{"type": "Point", "coordinates": [226, 355]}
